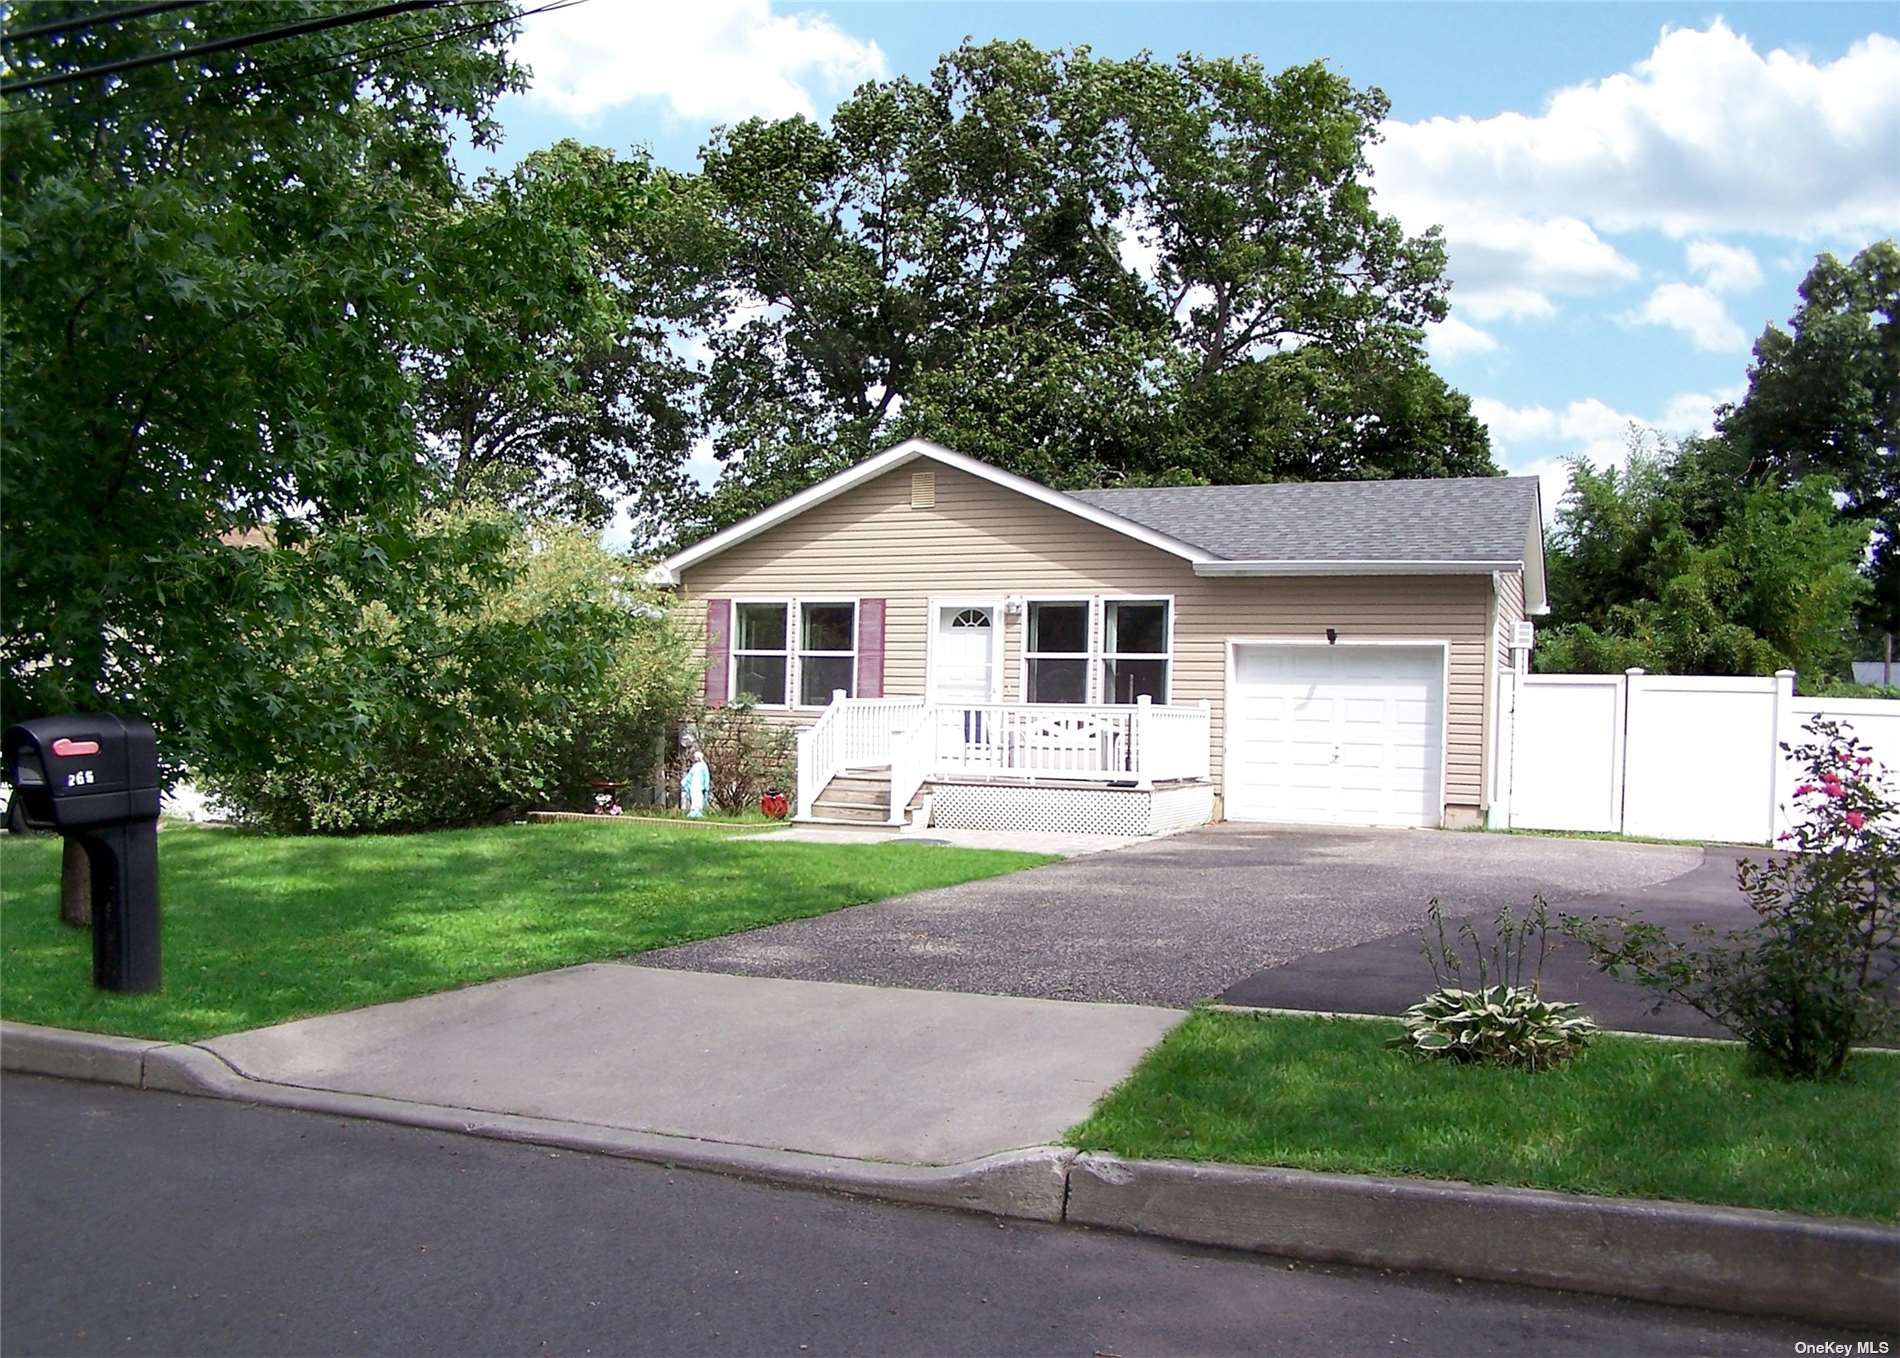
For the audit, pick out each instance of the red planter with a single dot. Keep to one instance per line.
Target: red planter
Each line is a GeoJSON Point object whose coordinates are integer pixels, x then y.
{"type": "Point", "coordinates": [775, 804]}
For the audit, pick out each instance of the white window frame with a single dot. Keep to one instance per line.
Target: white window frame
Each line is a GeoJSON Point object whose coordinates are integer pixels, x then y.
{"type": "Point", "coordinates": [1090, 658]}
{"type": "Point", "coordinates": [1105, 655]}
{"type": "Point", "coordinates": [790, 652]}
{"type": "Point", "coordinates": [796, 667]}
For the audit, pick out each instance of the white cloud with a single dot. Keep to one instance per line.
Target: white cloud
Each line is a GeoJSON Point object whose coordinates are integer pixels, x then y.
{"type": "Point", "coordinates": [1508, 266]}
{"type": "Point", "coordinates": [1695, 311]}
{"type": "Point", "coordinates": [1723, 268]}
{"type": "Point", "coordinates": [1451, 339]}
{"type": "Point", "coordinates": [711, 61]}
{"type": "Point", "coordinates": [1705, 136]}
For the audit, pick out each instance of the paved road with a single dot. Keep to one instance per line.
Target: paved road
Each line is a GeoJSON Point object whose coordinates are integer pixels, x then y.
{"type": "Point", "coordinates": [144, 1223]}
{"type": "Point", "coordinates": [1180, 919]}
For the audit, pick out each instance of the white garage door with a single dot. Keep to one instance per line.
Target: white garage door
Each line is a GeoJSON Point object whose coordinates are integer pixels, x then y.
{"type": "Point", "coordinates": [1336, 735]}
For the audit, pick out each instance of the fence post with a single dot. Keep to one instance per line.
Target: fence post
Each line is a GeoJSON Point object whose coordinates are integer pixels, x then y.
{"type": "Point", "coordinates": [1630, 690]}
{"type": "Point", "coordinates": [1781, 728]}
{"type": "Point", "coordinates": [802, 753]}
{"type": "Point", "coordinates": [1204, 766]}
{"type": "Point", "coordinates": [1144, 764]}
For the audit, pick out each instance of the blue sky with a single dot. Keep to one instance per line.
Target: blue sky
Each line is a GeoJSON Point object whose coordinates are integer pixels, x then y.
{"type": "Point", "coordinates": [1629, 191]}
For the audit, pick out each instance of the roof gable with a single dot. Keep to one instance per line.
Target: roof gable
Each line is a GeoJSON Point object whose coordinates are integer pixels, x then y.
{"type": "Point", "coordinates": [667, 572]}
{"type": "Point", "coordinates": [1454, 525]}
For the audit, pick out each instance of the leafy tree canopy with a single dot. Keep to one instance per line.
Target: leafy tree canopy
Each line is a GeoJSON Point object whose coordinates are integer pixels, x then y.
{"type": "Point", "coordinates": [1632, 581]}
{"type": "Point", "coordinates": [1086, 270]}
{"type": "Point", "coordinates": [562, 387]}
{"type": "Point", "coordinates": [1824, 400]}
{"type": "Point", "coordinates": [215, 273]}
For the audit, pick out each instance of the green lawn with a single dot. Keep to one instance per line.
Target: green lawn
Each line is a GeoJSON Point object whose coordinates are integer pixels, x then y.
{"type": "Point", "coordinates": [1630, 1117]}
{"type": "Point", "coordinates": [259, 929]}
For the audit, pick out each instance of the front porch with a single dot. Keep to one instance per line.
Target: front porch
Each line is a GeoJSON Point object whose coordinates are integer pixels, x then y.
{"type": "Point", "coordinates": [1130, 769]}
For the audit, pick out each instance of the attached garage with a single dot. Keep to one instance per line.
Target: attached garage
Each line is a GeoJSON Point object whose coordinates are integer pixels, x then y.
{"type": "Point", "coordinates": [1321, 734]}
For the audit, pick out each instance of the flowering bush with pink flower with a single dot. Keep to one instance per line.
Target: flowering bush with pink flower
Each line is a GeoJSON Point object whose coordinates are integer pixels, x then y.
{"type": "Point", "coordinates": [1819, 971]}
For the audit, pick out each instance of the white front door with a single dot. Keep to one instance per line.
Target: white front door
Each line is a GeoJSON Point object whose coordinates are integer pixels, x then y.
{"type": "Point", "coordinates": [963, 654]}
{"type": "Point", "coordinates": [1336, 735]}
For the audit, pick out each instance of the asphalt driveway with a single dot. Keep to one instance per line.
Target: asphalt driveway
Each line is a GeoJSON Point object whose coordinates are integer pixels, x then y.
{"type": "Point", "coordinates": [1387, 975]}
{"type": "Point", "coordinates": [1181, 919]}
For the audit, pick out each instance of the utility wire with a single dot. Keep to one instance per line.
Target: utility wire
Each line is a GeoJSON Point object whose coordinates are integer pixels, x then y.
{"type": "Point", "coordinates": [93, 18]}
{"type": "Point", "coordinates": [242, 40]}
{"type": "Point", "coordinates": [323, 65]}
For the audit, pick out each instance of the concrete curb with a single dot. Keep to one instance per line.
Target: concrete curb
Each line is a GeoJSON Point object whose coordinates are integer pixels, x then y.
{"type": "Point", "coordinates": [1724, 1258]}
{"type": "Point", "coordinates": [1030, 1183]}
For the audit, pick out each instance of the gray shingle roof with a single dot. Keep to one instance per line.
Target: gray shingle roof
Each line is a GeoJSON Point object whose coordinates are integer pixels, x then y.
{"type": "Point", "coordinates": [1474, 518]}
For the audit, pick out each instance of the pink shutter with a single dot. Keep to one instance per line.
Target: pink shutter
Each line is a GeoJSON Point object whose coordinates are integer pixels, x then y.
{"type": "Point", "coordinates": [870, 648]}
{"type": "Point", "coordinates": [718, 649]}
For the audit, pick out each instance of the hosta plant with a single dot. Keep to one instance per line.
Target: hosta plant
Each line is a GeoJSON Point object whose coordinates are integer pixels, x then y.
{"type": "Point", "coordinates": [1501, 1020]}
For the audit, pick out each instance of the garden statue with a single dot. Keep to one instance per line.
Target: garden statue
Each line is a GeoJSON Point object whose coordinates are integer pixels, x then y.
{"type": "Point", "coordinates": [695, 785]}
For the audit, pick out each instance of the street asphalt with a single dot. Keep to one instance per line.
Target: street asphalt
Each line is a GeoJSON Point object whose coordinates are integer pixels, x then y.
{"type": "Point", "coordinates": [1181, 919]}
{"type": "Point", "coordinates": [145, 1223]}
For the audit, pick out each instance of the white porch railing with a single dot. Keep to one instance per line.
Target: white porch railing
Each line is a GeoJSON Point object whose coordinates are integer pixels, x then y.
{"type": "Point", "coordinates": [853, 733]}
{"type": "Point", "coordinates": [1143, 743]}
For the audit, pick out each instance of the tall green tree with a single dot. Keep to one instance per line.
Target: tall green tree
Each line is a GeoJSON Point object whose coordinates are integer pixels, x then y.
{"type": "Point", "coordinates": [1088, 270]}
{"type": "Point", "coordinates": [1824, 400]}
{"type": "Point", "coordinates": [1635, 581]}
{"type": "Point", "coordinates": [215, 280]}
{"type": "Point", "coordinates": [563, 387]}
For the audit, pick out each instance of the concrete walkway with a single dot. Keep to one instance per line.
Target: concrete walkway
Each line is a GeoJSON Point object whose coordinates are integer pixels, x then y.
{"type": "Point", "coordinates": [842, 1070]}
{"type": "Point", "coordinates": [1064, 844]}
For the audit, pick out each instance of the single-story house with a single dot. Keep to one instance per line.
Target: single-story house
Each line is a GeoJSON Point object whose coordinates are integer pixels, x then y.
{"type": "Point", "coordinates": [950, 636]}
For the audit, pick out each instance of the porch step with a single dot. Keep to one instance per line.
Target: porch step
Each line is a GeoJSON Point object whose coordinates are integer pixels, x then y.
{"type": "Point", "coordinates": [871, 813]}
{"type": "Point", "coordinates": [869, 829]}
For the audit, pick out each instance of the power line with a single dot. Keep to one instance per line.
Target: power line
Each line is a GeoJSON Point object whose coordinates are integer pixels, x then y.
{"type": "Point", "coordinates": [255, 39]}
{"type": "Point", "coordinates": [316, 66]}
{"type": "Point", "coordinates": [93, 18]}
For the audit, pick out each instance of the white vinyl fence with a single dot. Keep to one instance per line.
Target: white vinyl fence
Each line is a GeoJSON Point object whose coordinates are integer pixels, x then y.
{"type": "Point", "coordinates": [1668, 756]}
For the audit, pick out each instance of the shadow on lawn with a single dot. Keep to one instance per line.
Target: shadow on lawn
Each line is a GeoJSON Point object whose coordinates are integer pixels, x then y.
{"type": "Point", "coordinates": [260, 929]}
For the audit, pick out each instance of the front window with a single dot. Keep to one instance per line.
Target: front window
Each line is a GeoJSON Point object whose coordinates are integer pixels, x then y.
{"type": "Point", "coordinates": [1135, 658]}
{"type": "Point", "coordinates": [827, 651]}
{"type": "Point", "coordinates": [760, 654]}
{"type": "Point", "coordinates": [1058, 652]}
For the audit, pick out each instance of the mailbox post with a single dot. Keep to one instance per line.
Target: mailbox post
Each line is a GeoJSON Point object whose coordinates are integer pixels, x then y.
{"type": "Point", "coordinates": [94, 778]}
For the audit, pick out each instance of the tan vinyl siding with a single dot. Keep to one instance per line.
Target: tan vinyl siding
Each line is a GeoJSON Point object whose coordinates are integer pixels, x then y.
{"type": "Point", "coordinates": [982, 540]}
{"type": "Point", "coordinates": [1510, 612]}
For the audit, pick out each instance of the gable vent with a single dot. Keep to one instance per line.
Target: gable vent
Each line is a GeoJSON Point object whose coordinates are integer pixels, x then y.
{"type": "Point", "coordinates": [923, 490]}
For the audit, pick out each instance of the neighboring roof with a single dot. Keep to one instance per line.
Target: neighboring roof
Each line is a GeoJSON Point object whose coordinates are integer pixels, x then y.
{"type": "Point", "coordinates": [1456, 525]}
{"type": "Point", "coordinates": [1467, 518]}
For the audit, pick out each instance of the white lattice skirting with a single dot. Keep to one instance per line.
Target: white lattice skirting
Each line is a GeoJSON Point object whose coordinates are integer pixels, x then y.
{"type": "Point", "coordinates": [1070, 810]}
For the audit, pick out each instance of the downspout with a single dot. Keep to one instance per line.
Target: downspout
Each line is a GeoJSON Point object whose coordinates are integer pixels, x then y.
{"type": "Point", "coordinates": [1488, 782]}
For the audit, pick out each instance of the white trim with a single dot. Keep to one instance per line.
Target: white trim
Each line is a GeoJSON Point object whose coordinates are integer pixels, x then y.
{"type": "Point", "coordinates": [1443, 644]}
{"type": "Point", "coordinates": [1103, 655]}
{"type": "Point", "coordinates": [1536, 597]}
{"type": "Point", "coordinates": [667, 572]}
{"type": "Point", "coordinates": [1087, 657]}
{"type": "Point", "coordinates": [790, 606]}
{"type": "Point", "coordinates": [1226, 568]}
{"type": "Point", "coordinates": [938, 602]}
{"type": "Point", "coordinates": [796, 676]}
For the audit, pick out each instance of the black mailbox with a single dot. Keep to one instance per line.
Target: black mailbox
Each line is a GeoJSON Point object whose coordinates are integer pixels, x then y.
{"type": "Point", "coordinates": [94, 778]}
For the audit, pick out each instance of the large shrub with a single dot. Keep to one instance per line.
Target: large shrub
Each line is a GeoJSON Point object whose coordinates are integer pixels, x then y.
{"type": "Point", "coordinates": [1817, 973]}
{"type": "Point", "coordinates": [500, 665]}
